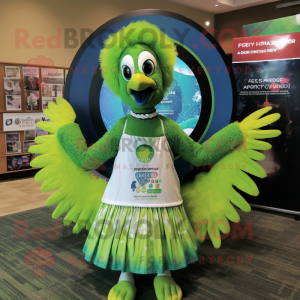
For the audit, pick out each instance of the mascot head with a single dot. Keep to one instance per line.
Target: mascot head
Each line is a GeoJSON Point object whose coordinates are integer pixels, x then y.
{"type": "Point", "coordinates": [137, 64]}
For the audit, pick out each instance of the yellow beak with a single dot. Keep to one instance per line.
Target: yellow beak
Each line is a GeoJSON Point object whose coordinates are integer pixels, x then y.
{"type": "Point", "coordinates": [141, 88]}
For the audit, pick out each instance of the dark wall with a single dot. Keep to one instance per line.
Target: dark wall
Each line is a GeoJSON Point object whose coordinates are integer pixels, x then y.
{"type": "Point", "coordinates": [230, 24]}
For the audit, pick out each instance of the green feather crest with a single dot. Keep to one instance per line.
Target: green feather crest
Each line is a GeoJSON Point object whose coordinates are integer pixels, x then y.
{"type": "Point", "coordinates": [140, 32]}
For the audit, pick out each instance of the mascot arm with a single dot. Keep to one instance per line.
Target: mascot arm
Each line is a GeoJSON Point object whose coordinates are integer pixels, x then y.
{"type": "Point", "coordinates": [207, 153]}
{"type": "Point", "coordinates": [72, 141]}
{"type": "Point", "coordinates": [209, 196]}
{"type": "Point", "coordinates": [76, 190]}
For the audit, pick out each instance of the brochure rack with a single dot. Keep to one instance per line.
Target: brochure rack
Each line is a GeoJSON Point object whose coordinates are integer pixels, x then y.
{"type": "Point", "coordinates": [8, 106]}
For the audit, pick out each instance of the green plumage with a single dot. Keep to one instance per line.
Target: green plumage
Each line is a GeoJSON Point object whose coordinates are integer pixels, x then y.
{"type": "Point", "coordinates": [207, 198]}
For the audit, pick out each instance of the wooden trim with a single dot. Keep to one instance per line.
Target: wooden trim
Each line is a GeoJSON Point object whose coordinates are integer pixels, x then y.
{"type": "Point", "coordinates": [31, 65]}
{"type": "Point", "coordinates": [14, 154]}
{"type": "Point", "coordinates": [8, 172]}
{"type": "Point", "coordinates": [20, 111]}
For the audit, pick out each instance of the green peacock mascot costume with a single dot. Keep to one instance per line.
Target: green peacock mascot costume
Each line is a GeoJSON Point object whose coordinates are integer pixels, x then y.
{"type": "Point", "coordinates": [142, 221]}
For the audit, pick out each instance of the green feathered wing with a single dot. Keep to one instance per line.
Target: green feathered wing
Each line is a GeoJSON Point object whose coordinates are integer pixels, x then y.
{"type": "Point", "coordinates": [208, 198]}
{"type": "Point", "coordinates": [78, 191]}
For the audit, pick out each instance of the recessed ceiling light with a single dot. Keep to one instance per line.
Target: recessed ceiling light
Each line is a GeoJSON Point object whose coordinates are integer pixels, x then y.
{"type": "Point", "coordinates": [217, 5]}
{"type": "Point", "coordinates": [207, 23]}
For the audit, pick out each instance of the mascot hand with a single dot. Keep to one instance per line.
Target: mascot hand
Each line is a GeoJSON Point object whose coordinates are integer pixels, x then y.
{"type": "Point", "coordinates": [60, 114]}
{"type": "Point", "coordinates": [251, 131]}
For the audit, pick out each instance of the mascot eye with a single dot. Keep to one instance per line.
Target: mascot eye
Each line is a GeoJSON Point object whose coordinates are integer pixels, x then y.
{"type": "Point", "coordinates": [148, 67]}
{"type": "Point", "coordinates": [126, 72]}
{"type": "Point", "coordinates": [127, 67]}
{"type": "Point", "coordinates": [147, 63]}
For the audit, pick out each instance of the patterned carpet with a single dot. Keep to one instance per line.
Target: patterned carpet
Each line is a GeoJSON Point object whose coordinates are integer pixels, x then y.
{"type": "Point", "coordinates": [262, 263]}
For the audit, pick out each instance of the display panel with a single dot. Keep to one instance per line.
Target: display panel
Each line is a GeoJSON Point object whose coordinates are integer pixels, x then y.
{"type": "Point", "coordinates": [270, 77]}
{"type": "Point", "coordinates": [196, 48]}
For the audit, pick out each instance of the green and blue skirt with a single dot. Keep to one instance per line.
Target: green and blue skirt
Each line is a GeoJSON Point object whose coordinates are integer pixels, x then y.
{"type": "Point", "coordinates": [141, 240]}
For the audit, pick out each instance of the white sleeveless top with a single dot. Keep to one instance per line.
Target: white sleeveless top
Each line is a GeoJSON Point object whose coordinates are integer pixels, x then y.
{"type": "Point", "coordinates": [143, 173]}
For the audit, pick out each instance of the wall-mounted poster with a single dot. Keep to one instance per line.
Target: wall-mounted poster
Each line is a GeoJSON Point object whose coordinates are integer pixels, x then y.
{"type": "Point", "coordinates": [12, 142]}
{"type": "Point", "coordinates": [27, 144]}
{"type": "Point", "coordinates": [52, 82]}
{"type": "Point", "coordinates": [13, 102]}
{"type": "Point", "coordinates": [40, 132]}
{"type": "Point", "coordinates": [29, 135]}
{"type": "Point", "coordinates": [52, 76]}
{"type": "Point", "coordinates": [12, 89]}
{"type": "Point", "coordinates": [46, 90]}
{"type": "Point", "coordinates": [12, 86]}
{"type": "Point", "coordinates": [52, 90]}
{"type": "Point", "coordinates": [12, 71]}
{"type": "Point", "coordinates": [59, 90]}
{"type": "Point", "coordinates": [18, 162]}
{"type": "Point", "coordinates": [31, 78]}
{"type": "Point", "coordinates": [12, 137]}
{"type": "Point", "coordinates": [13, 147]}
{"type": "Point", "coordinates": [46, 100]}
{"type": "Point", "coordinates": [32, 100]}
{"type": "Point", "coordinates": [22, 121]}
{"type": "Point", "coordinates": [267, 71]}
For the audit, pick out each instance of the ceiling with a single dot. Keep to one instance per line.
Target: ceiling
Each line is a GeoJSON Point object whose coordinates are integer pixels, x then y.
{"type": "Point", "coordinates": [223, 5]}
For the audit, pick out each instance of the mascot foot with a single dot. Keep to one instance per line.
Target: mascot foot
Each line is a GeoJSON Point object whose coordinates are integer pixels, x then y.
{"type": "Point", "coordinates": [123, 290]}
{"type": "Point", "coordinates": [166, 288]}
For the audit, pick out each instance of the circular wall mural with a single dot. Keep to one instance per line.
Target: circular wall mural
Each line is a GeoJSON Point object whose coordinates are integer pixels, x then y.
{"type": "Point", "coordinates": [201, 99]}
